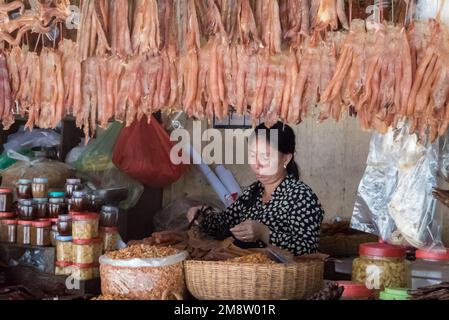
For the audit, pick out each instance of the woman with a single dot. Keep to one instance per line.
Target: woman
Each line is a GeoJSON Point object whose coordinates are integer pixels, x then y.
{"type": "Point", "coordinates": [278, 209]}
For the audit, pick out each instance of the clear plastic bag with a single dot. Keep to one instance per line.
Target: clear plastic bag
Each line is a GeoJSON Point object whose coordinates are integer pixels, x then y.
{"type": "Point", "coordinates": [144, 279]}
{"type": "Point", "coordinates": [75, 153]}
{"type": "Point", "coordinates": [25, 139]}
{"type": "Point", "coordinates": [95, 165]}
{"type": "Point", "coordinates": [394, 200]}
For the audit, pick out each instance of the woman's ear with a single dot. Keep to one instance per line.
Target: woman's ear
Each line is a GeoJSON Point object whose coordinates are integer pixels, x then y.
{"type": "Point", "coordinates": [287, 159]}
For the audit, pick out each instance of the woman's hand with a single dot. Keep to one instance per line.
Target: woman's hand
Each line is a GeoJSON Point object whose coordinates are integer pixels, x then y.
{"type": "Point", "coordinates": [192, 213]}
{"type": "Point", "coordinates": [251, 231]}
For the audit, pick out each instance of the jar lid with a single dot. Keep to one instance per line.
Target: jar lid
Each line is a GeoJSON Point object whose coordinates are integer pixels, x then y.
{"type": "Point", "coordinates": [79, 194]}
{"type": "Point", "coordinates": [381, 250]}
{"type": "Point", "coordinates": [63, 263]}
{"type": "Point", "coordinates": [6, 215]}
{"type": "Point", "coordinates": [54, 220]}
{"type": "Point", "coordinates": [436, 254]}
{"type": "Point", "coordinates": [56, 200]}
{"type": "Point", "coordinates": [87, 241]}
{"type": "Point", "coordinates": [40, 180]}
{"type": "Point", "coordinates": [24, 181]}
{"type": "Point", "coordinates": [41, 200]}
{"type": "Point", "coordinates": [109, 208]}
{"type": "Point", "coordinates": [394, 294]}
{"type": "Point", "coordinates": [355, 289]}
{"type": "Point", "coordinates": [64, 238]}
{"type": "Point", "coordinates": [24, 222]}
{"type": "Point", "coordinates": [26, 202]}
{"type": "Point", "coordinates": [56, 194]}
{"type": "Point", "coordinates": [5, 190]}
{"type": "Point", "coordinates": [84, 216]}
{"type": "Point", "coordinates": [40, 224]}
{"type": "Point", "coordinates": [73, 181]}
{"type": "Point", "coordinates": [9, 221]}
{"type": "Point", "coordinates": [109, 229]}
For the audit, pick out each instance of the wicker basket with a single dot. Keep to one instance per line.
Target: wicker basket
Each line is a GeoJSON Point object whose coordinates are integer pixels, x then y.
{"type": "Point", "coordinates": [212, 280]}
{"type": "Point", "coordinates": [341, 245]}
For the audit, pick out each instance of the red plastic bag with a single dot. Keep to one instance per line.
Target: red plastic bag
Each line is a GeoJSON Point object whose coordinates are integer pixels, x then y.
{"type": "Point", "coordinates": [143, 152]}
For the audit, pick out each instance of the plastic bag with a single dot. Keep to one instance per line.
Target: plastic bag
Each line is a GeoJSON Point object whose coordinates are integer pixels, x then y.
{"type": "Point", "coordinates": [144, 279]}
{"type": "Point", "coordinates": [75, 153]}
{"type": "Point", "coordinates": [143, 152]}
{"type": "Point", "coordinates": [95, 165]}
{"type": "Point", "coordinates": [6, 161]}
{"type": "Point", "coordinates": [25, 139]}
{"type": "Point", "coordinates": [394, 199]}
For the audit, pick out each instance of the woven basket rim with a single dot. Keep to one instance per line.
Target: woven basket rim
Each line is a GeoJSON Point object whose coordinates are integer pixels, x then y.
{"type": "Point", "coordinates": [295, 264]}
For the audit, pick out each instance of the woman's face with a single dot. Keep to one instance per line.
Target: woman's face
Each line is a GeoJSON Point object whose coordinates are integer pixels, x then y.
{"type": "Point", "coordinates": [265, 161]}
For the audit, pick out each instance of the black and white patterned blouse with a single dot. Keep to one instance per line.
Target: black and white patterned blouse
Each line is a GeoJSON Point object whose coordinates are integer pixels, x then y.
{"type": "Point", "coordinates": [293, 215]}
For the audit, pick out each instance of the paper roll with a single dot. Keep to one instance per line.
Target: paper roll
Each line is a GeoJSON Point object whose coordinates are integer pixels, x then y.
{"type": "Point", "coordinates": [228, 180]}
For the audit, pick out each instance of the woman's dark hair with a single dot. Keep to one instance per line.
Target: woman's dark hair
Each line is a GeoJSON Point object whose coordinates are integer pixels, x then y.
{"type": "Point", "coordinates": [286, 142]}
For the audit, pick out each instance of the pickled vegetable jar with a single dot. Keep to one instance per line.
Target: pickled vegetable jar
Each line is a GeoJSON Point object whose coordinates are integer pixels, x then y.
{"type": "Point", "coordinates": [87, 251]}
{"type": "Point", "coordinates": [8, 231]}
{"type": "Point", "coordinates": [56, 206]}
{"type": "Point", "coordinates": [24, 232]}
{"type": "Point", "coordinates": [42, 207]}
{"type": "Point", "coordinates": [64, 249]}
{"type": "Point", "coordinates": [379, 266]}
{"type": "Point", "coordinates": [6, 200]}
{"type": "Point", "coordinates": [85, 226]}
{"type": "Point", "coordinates": [110, 237]}
{"type": "Point", "coordinates": [27, 209]}
{"type": "Point", "coordinates": [63, 268]}
{"type": "Point", "coordinates": [24, 189]}
{"type": "Point", "coordinates": [82, 271]}
{"type": "Point", "coordinates": [40, 187]}
{"type": "Point", "coordinates": [430, 267]}
{"type": "Point", "coordinates": [40, 233]}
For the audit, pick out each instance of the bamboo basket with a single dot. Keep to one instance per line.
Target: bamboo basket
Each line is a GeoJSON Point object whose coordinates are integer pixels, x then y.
{"type": "Point", "coordinates": [341, 245]}
{"type": "Point", "coordinates": [212, 280]}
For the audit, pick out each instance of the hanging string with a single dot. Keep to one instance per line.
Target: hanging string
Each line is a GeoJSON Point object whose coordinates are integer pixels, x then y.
{"type": "Point", "coordinates": [37, 42]}
{"type": "Point", "coordinates": [350, 13]}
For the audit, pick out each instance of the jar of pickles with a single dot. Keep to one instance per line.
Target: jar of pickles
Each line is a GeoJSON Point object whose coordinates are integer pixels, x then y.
{"type": "Point", "coordinates": [63, 268]}
{"type": "Point", "coordinates": [40, 233]}
{"type": "Point", "coordinates": [42, 207]}
{"type": "Point", "coordinates": [8, 231]}
{"type": "Point", "coordinates": [380, 265]}
{"type": "Point", "coordinates": [6, 200]}
{"type": "Point", "coordinates": [24, 189]}
{"type": "Point", "coordinates": [64, 249]}
{"type": "Point", "coordinates": [79, 202]}
{"type": "Point", "coordinates": [87, 251]}
{"type": "Point", "coordinates": [71, 186]}
{"type": "Point", "coordinates": [82, 271]}
{"type": "Point", "coordinates": [24, 232]}
{"type": "Point", "coordinates": [110, 237]}
{"type": "Point", "coordinates": [85, 226]}
{"type": "Point", "coordinates": [40, 187]}
{"type": "Point", "coordinates": [56, 206]}
{"type": "Point", "coordinates": [27, 209]}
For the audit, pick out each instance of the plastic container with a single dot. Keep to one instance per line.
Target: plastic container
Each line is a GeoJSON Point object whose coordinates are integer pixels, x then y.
{"type": "Point", "coordinates": [24, 189]}
{"type": "Point", "coordinates": [109, 216]}
{"type": "Point", "coordinates": [85, 226]}
{"type": "Point", "coordinates": [355, 291]}
{"type": "Point", "coordinates": [64, 225]}
{"type": "Point", "coordinates": [63, 268]}
{"type": "Point", "coordinates": [6, 200]}
{"type": "Point", "coordinates": [24, 232]}
{"type": "Point", "coordinates": [95, 203]}
{"type": "Point", "coordinates": [8, 232]}
{"type": "Point", "coordinates": [79, 202]}
{"type": "Point", "coordinates": [42, 207]}
{"type": "Point", "coordinates": [82, 271]}
{"type": "Point", "coordinates": [56, 206]}
{"type": "Point", "coordinates": [71, 186]}
{"type": "Point", "coordinates": [430, 267]}
{"type": "Point", "coordinates": [380, 266]}
{"type": "Point", "coordinates": [394, 294]}
{"type": "Point", "coordinates": [27, 209]}
{"type": "Point", "coordinates": [87, 251]}
{"type": "Point", "coordinates": [64, 249]}
{"type": "Point", "coordinates": [40, 187]}
{"type": "Point", "coordinates": [40, 233]}
{"type": "Point", "coordinates": [110, 238]}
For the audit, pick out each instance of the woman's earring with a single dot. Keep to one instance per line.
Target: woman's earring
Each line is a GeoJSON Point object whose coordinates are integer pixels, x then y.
{"type": "Point", "coordinates": [285, 166]}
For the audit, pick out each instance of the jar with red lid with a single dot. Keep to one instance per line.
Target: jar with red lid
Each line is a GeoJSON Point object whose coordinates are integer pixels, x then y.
{"type": "Point", "coordinates": [79, 202]}
{"type": "Point", "coordinates": [8, 231]}
{"type": "Point", "coordinates": [355, 291]}
{"type": "Point", "coordinates": [41, 233]}
{"type": "Point", "coordinates": [65, 225]}
{"type": "Point", "coordinates": [83, 271]}
{"type": "Point", "coordinates": [42, 207]}
{"type": "Point", "coordinates": [26, 209]}
{"type": "Point", "coordinates": [85, 226]}
{"type": "Point", "coordinates": [6, 200]}
{"type": "Point", "coordinates": [430, 267]}
{"type": "Point", "coordinates": [24, 232]}
{"type": "Point", "coordinates": [71, 186]}
{"type": "Point", "coordinates": [87, 251]}
{"type": "Point", "coordinates": [24, 189]}
{"type": "Point", "coordinates": [380, 265]}
{"type": "Point", "coordinates": [110, 237]}
{"type": "Point", "coordinates": [7, 215]}
{"type": "Point", "coordinates": [56, 206]}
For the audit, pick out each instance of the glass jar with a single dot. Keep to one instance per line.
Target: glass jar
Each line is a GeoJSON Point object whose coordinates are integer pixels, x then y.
{"type": "Point", "coordinates": [95, 203]}
{"type": "Point", "coordinates": [64, 249]}
{"type": "Point", "coordinates": [6, 200]}
{"type": "Point", "coordinates": [109, 216]}
{"type": "Point", "coordinates": [24, 189]}
{"type": "Point", "coordinates": [82, 271]}
{"type": "Point", "coordinates": [110, 237]}
{"type": "Point", "coordinates": [87, 251]}
{"type": "Point", "coordinates": [394, 294]}
{"type": "Point", "coordinates": [40, 187]}
{"type": "Point", "coordinates": [79, 202]}
{"type": "Point", "coordinates": [71, 186]}
{"type": "Point", "coordinates": [63, 268]}
{"type": "Point", "coordinates": [54, 232]}
{"type": "Point", "coordinates": [85, 226]}
{"type": "Point", "coordinates": [24, 232]}
{"type": "Point", "coordinates": [42, 207]}
{"type": "Point", "coordinates": [355, 291]}
{"type": "Point", "coordinates": [380, 265]}
{"type": "Point", "coordinates": [26, 209]}
{"type": "Point", "coordinates": [40, 233]}
{"type": "Point", "coordinates": [8, 232]}
{"type": "Point", "coordinates": [56, 206]}
{"type": "Point", "coordinates": [430, 267]}
{"type": "Point", "coordinates": [65, 225]}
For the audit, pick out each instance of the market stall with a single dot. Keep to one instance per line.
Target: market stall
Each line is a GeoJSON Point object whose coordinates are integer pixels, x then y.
{"type": "Point", "coordinates": [93, 205]}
